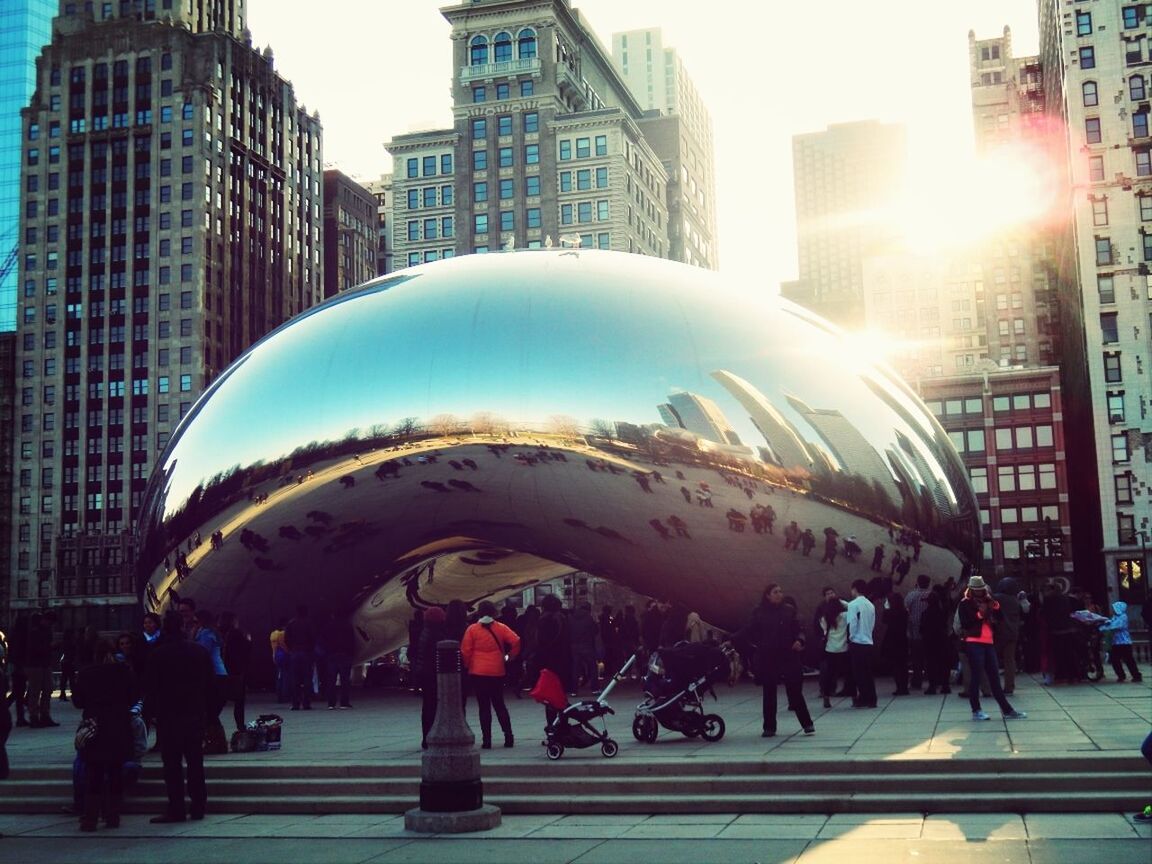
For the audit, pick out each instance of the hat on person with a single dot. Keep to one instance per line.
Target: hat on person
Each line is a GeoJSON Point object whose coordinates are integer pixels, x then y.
{"type": "Point", "coordinates": [976, 583]}
{"type": "Point", "coordinates": [434, 615]}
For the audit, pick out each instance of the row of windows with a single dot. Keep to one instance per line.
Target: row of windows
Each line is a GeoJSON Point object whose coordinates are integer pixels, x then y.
{"type": "Point", "coordinates": [427, 255]}
{"type": "Point", "coordinates": [584, 211]}
{"type": "Point", "coordinates": [506, 188]}
{"type": "Point", "coordinates": [426, 166]}
{"type": "Point", "coordinates": [431, 229]}
{"type": "Point", "coordinates": [585, 148]}
{"type": "Point", "coordinates": [498, 49]}
{"type": "Point", "coordinates": [1014, 438]}
{"type": "Point", "coordinates": [530, 123]}
{"type": "Point", "coordinates": [584, 178]}
{"type": "Point", "coordinates": [430, 196]}
{"type": "Point", "coordinates": [975, 406]}
{"type": "Point", "coordinates": [507, 220]}
{"type": "Point", "coordinates": [1015, 478]}
{"type": "Point", "coordinates": [505, 157]}
{"type": "Point", "coordinates": [502, 91]}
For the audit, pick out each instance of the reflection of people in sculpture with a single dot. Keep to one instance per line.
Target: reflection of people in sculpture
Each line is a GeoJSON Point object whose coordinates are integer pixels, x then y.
{"type": "Point", "coordinates": [686, 493]}
{"type": "Point", "coordinates": [642, 479]}
{"type": "Point", "coordinates": [807, 542]}
{"type": "Point", "coordinates": [659, 528]}
{"type": "Point", "coordinates": [878, 558]}
{"type": "Point", "coordinates": [792, 536]}
{"type": "Point", "coordinates": [851, 547]}
{"type": "Point", "coordinates": [679, 526]}
{"type": "Point", "coordinates": [736, 519]}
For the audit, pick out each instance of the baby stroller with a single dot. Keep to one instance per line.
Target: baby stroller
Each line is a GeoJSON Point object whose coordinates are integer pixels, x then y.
{"type": "Point", "coordinates": [572, 724]}
{"type": "Point", "coordinates": [676, 679]}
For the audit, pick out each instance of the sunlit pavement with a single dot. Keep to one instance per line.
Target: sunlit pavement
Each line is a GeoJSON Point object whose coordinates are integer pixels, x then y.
{"type": "Point", "coordinates": [384, 728]}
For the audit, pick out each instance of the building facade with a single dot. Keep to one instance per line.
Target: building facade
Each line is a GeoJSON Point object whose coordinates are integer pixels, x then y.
{"type": "Point", "coordinates": [547, 146]}
{"type": "Point", "coordinates": [1095, 63]}
{"type": "Point", "coordinates": [381, 189]}
{"type": "Point", "coordinates": [350, 233]}
{"type": "Point", "coordinates": [846, 178]}
{"type": "Point", "coordinates": [171, 193]}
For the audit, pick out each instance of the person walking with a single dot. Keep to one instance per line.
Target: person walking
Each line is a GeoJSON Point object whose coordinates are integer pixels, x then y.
{"type": "Point", "coordinates": [483, 649]}
{"type": "Point", "coordinates": [105, 692]}
{"type": "Point", "coordinates": [775, 635]}
{"type": "Point", "coordinates": [179, 687]}
{"type": "Point", "coordinates": [978, 611]}
{"type": "Point", "coordinates": [1121, 653]}
{"type": "Point", "coordinates": [861, 616]}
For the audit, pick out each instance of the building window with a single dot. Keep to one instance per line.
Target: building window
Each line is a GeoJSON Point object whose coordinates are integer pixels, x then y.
{"type": "Point", "coordinates": [480, 192]}
{"type": "Point", "coordinates": [1143, 163]}
{"type": "Point", "coordinates": [507, 189]}
{"type": "Point", "coordinates": [1099, 212]}
{"type": "Point", "coordinates": [1087, 57]}
{"type": "Point", "coordinates": [1131, 16]}
{"type": "Point", "coordinates": [601, 145]}
{"type": "Point", "coordinates": [1136, 89]}
{"type": "Point", "coordinates": [583, 148]}
{"type": "Point", "coordinates": [1120, 448]}
{"type": "Point", "coordinates": [478, 52]}
{"type": "Point", "coordinates": [446, 163]}
{"type": "Point", "coordinates": [479, 94]}
{"type": "Point", "coordinates": [532, 217]}
{"type": "Point", "coordinates": [1126, 528]}
{"type": "Point", "coordinates": [526, 44]}
{"type": "Point", "coordinates": [1140, 124]}
{"type": "Point", "coordinates": [531, 122]}
{"type": "Point", "coordinates": [479, 160]}
{"type": "Point", "coordinates": [532, 185]}
{"type": "Point", "coordinates": [501, 92]}
{"type": "Point", "coordinates": [479, 129]}
{"type": "Point", "coordinates": [565, 150]}
{"type": "Point", "coordinates": [1116, 406]}
{"type": "Point", "coordinates": [1092, 130]}
{"type": "Point", "coordinates": [527, 87]}
{"type": "Point", "coordinates": [565, 181]}
{"type": "Point", "coordinates": [504, 157]}
{"type": "Point", "coordinates": [1124, 488]}
{"type": "Point", "coordinates": [1103, 251]}
{"type": "Point", "coordinates": [507, 220]}
{"type": "Point", "coordinates": [1113, 373]}
{"type": "Point", "coordinates": [413, 167]}
{"type": "Point", "coordinates": [504, 125]}
{"type": "Point", "coordinates": [502, 48]}
{"type": "Point", "coordinates": [480, 225]}
{"type": "Point", "coordinates": [1083, 23]}
{"type": "Point", "coordinates": [1089, 92]}
{"type": "Point", "coordinates": [1105, 286]}
{"type": "Point", "coordinates": [531, 154]}
{"type": "Point", "coordinates": [1109, 328]}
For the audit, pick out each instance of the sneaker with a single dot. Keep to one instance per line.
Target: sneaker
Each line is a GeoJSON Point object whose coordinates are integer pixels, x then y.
{"type": "Point", "coordinates": [1144, 815]}
{"type": "Point", "coordinates": [809, 730]}
{"type": "Point", "coordinates": [1015, 715]}
{"type": "Point", "coordinates": [980, 715]}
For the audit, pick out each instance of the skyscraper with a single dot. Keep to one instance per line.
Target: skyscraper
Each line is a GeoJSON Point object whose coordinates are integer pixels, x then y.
{"type": "Point", "coordinates": [25, 27]}
{"type": "Point", "coordinates": [350, 233]}
{"type": "Point", "coordinates": [1096, 56]}
{"type": "Point", "coordinates": [547, 146]}
{"type": "Point", "coordinates": [171, 216]}
{"type": "Point", "coordinates": [846, 179]}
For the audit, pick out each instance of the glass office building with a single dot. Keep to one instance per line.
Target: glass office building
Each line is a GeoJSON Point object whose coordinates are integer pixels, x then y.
{"type": "Point", "coordinates": [25, 28]}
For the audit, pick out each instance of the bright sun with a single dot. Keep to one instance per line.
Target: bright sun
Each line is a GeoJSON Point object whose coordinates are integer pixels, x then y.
{"type": "Point", "coordinates": [973, 197]}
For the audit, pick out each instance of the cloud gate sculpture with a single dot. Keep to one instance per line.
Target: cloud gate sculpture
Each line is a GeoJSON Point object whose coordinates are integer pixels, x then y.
{"type": "Point", "coordinates": [468, 428]}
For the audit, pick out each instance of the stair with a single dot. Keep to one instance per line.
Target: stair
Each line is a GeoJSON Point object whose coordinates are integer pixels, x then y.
{"type": "Point", "coordinates": [1081, 784]}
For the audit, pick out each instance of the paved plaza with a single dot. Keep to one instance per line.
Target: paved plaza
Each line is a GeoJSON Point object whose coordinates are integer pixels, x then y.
{"type": "Point", "coordinates": [383, 728]}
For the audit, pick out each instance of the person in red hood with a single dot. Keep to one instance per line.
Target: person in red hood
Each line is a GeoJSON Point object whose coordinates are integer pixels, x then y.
{"type": "Point", "coordinates": [486, 647]}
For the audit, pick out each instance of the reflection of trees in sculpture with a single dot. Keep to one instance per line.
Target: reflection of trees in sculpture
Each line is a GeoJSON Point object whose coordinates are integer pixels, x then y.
{"type": "Point", "coordinates": [444, 424]}
{"type": "Point", "coordinates": [602, 428]}
{"type": "Point", "coordinates": [564, 425]}
{"type": "Point", "coordinates": [406, 427]}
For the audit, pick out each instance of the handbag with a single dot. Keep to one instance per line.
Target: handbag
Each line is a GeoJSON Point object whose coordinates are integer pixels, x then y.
{"type": "Point", "coordinates": [85, 733]}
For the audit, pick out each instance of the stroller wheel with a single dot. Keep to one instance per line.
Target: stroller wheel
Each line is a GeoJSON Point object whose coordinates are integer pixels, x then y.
{"type": "Point", "coordinates": [644, 728]}
{"type": "Point", "coordinates": [555, 751]}
{"type": "Point", "coordinates": [609, 748]}
{"type": "Point", "coordinates": [713, 728]}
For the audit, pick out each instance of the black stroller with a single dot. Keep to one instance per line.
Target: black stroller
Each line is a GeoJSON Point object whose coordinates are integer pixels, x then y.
{"type": "Point", "coordinates": [572, 724]}
{"type": "Point", "coordinates": [676, 679]}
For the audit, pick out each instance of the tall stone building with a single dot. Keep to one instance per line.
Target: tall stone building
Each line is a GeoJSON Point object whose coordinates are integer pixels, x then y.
{"type": "Point", "coordinates": [171, 211]}
{"type": "Point", "coordinates": [1096, 57]}
{"type": "Point", "coordinates": [679, 127]}
{"type": "Point", "coordinates": [350, 237]}
{"type": "Point", "coordinates": [846, 178]}
{"type": "Point", "coordinates": [381, 189]}
{"type": "Point", "coordinates": [547, 145]}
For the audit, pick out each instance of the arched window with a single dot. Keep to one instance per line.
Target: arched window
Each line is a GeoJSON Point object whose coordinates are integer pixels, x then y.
{"type": "Point", "coordinates": [1088, 88]}
{"type": "Point", "coordinates": [478, 53]}
{"type": "Point", "coordinates": [1136, 89]}
{"type": "Point", "coordinates": [526, 43]}
{"type": "Point", "coordinates": [502, 48]}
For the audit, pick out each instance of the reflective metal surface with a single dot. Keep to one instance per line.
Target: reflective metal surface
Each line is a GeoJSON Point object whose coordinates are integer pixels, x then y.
{"type": "Point", "coordinates": [470, 427]}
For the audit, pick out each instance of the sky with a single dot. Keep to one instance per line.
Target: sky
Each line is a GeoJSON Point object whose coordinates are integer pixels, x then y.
{"type": "Point", "coordinates": [767, 70]}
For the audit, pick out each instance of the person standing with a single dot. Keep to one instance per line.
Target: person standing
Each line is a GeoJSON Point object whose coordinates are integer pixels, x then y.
{"type": "Point", "coordinates": [483, 649]}
{"type": "Point", "coordinates": [778, 642]}
{"type": "Point", "coordinates": [978, 612]}
{"type": "Point", "coordinates": [916, 602]}
{"type": "Point", "coordinates": [553, 647]}
{"type": "Point", "coordinates": [832, 621]}
{"type": "Point", "coordinates": [895, 644]}
{"type": "Point", "coordinates": [861, 615]}
{"type": "Point", "coordinates": [105, 692]}
{"type": "Point", "coordinates": [300, 638]}
{"type": "Point", "coordinates": [67, 662]}
{"type": "Point", "coordinates": [39, 664]}
{"type": "Point", "coordinates": [582, 633]}
{"type": "Point", "coordinates": [630, 638]}
{"type": "Point", "coordinates": [339, 644]}
{"type": "Point", "coordinates": [179, 687]}
{"type": "Point", "coordinates": [424, 668]}
{"type": "Point", "coordinates": [935, 630]}
{"type": "Point", "coordinates": [5, 723]}
{"type": "Point", "coordinates": [1121, 652]}
{"type": "Point", "coordinates": [237, 658]}
{"type": "Point", "coordinates": [281, 661]}
{"type": "Point", "coordinates": [1006, 636]}
{"type": "Point", "coordinates": [205, 635]}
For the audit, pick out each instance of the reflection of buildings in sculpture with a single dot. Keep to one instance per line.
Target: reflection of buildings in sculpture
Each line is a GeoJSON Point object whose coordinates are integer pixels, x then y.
{"type": "Point", "coordinates": [787, 448]}
{"type": "Point", "coordinates": [700, 415]}
{"type": "Point", "coordinates": [928, 480]}
{"type": "Point", "coordinates": [855, 454]}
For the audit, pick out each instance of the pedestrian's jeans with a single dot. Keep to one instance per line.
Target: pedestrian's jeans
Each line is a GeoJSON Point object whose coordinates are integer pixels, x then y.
{"type": "Point", "coordinates": [982, 662]}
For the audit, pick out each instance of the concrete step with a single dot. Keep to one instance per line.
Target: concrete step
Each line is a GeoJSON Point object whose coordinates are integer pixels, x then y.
{"type": "Point", "coordinates": [1084, 784]}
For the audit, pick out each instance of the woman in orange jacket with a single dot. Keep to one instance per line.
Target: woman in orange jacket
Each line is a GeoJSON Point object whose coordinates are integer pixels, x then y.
{"type": "Point", "coordinates": [485, 648]}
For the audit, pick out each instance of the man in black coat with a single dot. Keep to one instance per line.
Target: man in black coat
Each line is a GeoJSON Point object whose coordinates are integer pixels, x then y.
{"type": "Point", "coordinates": [180, 683]}
{"type": "Point", "coordinates": [777, 640]}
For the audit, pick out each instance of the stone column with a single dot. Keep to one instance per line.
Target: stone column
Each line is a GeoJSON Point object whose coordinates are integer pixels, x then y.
{"type": "Point", "coordinates": [451, 793]}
